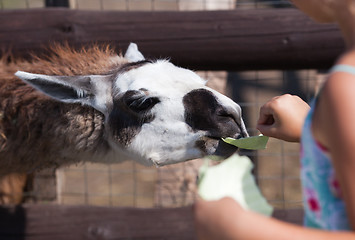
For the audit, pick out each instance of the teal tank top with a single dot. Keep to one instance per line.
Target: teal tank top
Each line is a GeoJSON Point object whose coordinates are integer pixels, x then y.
{"type": "Point", "coordinates": [323, 204]}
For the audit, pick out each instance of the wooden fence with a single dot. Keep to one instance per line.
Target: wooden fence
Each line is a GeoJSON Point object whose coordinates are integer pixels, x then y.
{"type": "Point", "coordinates": [205, 40]}
{"type": "Point", "coordinates": [54, 222]}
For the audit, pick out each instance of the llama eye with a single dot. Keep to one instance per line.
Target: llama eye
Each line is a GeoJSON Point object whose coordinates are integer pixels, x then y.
{"type": "Point", "coordinates": [141, 103]}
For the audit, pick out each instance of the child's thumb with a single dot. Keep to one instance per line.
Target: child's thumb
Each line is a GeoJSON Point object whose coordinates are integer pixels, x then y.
{"type": "Point", "coordinates": [265, 129]}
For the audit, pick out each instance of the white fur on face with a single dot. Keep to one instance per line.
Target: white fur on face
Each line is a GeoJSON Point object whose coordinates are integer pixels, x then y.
{"type": "Point", "coordinates": [168, 138]}
{"type": "Point", "coordinates": [161, 77]}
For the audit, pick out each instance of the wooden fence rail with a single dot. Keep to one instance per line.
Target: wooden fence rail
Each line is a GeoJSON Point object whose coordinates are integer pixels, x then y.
{"type": "Point", "coordinates": [205, 40]}
{"type": "Point", "coordinates": [56, 222]}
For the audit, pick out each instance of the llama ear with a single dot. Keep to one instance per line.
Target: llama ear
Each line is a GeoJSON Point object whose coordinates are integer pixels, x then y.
{"type": "Point", "coordinates": [133, 54]}
{"type": "Point", "coordinates": [92, 90]}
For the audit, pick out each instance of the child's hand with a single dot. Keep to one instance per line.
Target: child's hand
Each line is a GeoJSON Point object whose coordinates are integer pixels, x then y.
{"type": "Point", "coordinates": [217, 219]}
{"type": "Point", "coordinates": [282, 117]}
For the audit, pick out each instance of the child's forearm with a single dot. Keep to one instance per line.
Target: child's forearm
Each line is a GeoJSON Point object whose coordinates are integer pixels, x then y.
{"type": "Point", "coordinates": [255, 226]}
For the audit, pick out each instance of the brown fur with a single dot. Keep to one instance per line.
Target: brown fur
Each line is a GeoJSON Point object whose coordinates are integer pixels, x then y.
{"type": "Point", "coordinates": [33, 127]}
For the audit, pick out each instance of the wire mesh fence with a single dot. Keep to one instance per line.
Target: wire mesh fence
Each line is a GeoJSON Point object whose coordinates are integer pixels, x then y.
{"type": "Point", "coordinates": [129, 184]}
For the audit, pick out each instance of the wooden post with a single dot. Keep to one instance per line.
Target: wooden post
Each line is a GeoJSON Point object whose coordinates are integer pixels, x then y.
{"type": "Point", "coordinates": [205, 40]}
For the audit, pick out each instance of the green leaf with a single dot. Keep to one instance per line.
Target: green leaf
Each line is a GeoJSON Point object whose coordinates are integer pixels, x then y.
{"type": "Point", "coordinates": [250, 143]}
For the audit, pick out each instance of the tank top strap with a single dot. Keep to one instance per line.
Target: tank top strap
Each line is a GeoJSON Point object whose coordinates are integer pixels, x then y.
{"type": "Point", "coordinates": [343, 68]}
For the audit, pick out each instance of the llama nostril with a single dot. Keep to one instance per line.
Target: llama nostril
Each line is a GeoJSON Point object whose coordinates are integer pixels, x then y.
{"type": "Point", "coordinates": [223, 114]}
{"type": "Point", "coordinates": [229, 116]}
{"type": "Point", "coordinates": [204, 111]}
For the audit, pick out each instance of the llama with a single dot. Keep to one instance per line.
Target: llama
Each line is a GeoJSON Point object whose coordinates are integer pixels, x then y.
{"type": "Point", "coordinates": [94, 105]}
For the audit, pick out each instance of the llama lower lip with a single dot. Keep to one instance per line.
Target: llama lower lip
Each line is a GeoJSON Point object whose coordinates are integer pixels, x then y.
{"type": "Point", "coordinates": [225, 149]}
{"type": "Point", "coordinates": [214, 138]}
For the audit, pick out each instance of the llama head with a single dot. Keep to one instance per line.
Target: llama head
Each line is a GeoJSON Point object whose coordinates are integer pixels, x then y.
{"type": "Point", "coordinates": [154, 111]}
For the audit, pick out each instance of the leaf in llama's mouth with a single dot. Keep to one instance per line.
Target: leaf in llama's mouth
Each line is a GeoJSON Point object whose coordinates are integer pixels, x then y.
{"type": "Point", "coordinates": [250, 143]}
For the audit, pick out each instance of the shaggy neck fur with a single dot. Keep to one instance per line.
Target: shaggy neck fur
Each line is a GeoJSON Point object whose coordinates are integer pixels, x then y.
{"type": "Point", "coordinates": [34, 128]}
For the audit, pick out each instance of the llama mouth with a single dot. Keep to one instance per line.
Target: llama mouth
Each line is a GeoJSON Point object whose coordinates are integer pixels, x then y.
{"type": "Point", "coordinates": [214, 138]}
{"type": "Point", "coordinates": [211, 145]}
{"type": "Point", "coordinates": [224, 149]}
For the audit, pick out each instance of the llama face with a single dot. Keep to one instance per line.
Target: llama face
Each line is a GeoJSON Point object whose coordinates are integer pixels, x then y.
{"type": "Point", "coordinates": [176, 116]}
{"type": "Point", "coordinates": [155, 112]}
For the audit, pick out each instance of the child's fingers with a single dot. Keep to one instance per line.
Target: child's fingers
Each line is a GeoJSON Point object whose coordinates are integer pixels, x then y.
{"type": "Point", "coordinates": [266, 115]}
{"type": "Point", "coordinates": [267, 130]}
